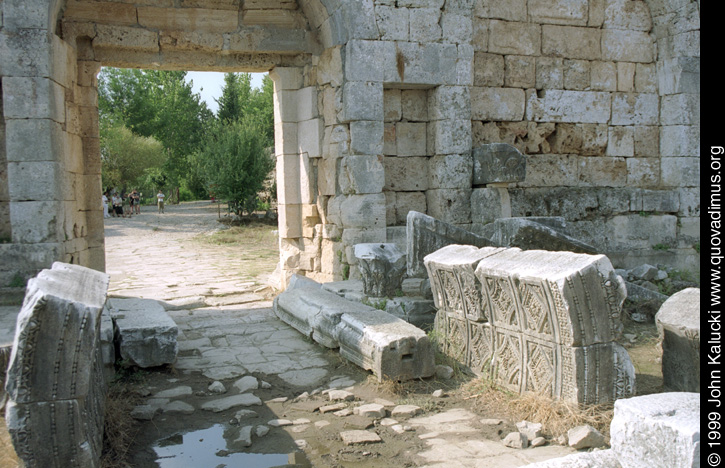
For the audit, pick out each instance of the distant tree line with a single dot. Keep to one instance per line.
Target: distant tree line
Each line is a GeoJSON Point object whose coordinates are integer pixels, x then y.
{"type": "Point", "coordinates": [156, 133]}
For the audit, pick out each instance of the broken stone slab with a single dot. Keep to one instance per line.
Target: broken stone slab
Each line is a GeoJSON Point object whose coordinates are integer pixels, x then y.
{"type": "Point", "coordinates": [371, 410]}
{"type": "Point", "coordinates": [386, 345]}
{"type": "Point", "coordinates": [108, 347]}
{"type": "Point", "coordinates": [426, 234]}
{"type": "Point", "coordinates": [527, 234]}
{"type": "Point", "coordinates": [551, 321]}
{"type": "Point", "coordinates": [516, 440]}
{"type": "Point", "coordinates": [657, 430]}
{"type": "Point", "coordinates": [598, 459]}
{"type": "Point", "coordinates": [678, 323]}
{"type": "Point", "coordinates": [584, 437]}
{"type": "Point", "coordinates": [498, 163]}
{"type": "Point", "coordinates": [55, 382]}
{"type": "Point", "coordinates": [382, 267]}
{"type": "Point", "coordinates": [223, 404]}
{"type": "Point", "coordinates": [529, 429]}
{"type": "Point", "coordinates": [146, 334]}
{"type": "Point", "coordinates": [359, 437]}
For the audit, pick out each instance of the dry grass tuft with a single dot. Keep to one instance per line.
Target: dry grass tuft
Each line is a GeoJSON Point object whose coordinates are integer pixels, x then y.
{"type": "Point", "coordinates": [120, 428]}
{"type": "Point", "coordinates": [556, 416]}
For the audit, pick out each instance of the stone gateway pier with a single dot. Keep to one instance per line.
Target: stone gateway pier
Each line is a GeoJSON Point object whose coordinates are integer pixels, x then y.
{"type": "Point", "coordinates": [378, 105]}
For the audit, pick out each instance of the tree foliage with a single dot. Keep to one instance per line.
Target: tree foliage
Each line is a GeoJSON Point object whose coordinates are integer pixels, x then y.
{"type": "Point", "coordinates": [126, 157]}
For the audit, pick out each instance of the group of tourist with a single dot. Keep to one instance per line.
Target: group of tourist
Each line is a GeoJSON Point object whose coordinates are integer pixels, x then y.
{"type": "Point", "coordinates": [126, 205]}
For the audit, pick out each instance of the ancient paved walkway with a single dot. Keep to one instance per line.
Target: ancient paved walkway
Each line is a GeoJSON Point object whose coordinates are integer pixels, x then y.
{"type": "Point", "coordinates": [228, 331]}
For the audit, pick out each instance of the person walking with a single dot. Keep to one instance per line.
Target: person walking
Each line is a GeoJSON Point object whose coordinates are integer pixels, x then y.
{"type": "Point", "coordinates": [104, 200]}
{"type": "Point", "coordinates": [136, 197]}
{"type": "Point", "coordinates": [160, 199]}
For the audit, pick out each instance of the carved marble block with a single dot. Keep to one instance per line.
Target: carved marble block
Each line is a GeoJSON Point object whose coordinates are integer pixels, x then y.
{"type": "Point", "coordinates": [547, 324]}
{"type": "Point", "coordinates": [498, 163]}
{"type": "Point", "coordinates": [382, 268]}
{"type": "Point", "coordinates": [55, 381]}
{"type": "Point", "coordinates": [678, 322]}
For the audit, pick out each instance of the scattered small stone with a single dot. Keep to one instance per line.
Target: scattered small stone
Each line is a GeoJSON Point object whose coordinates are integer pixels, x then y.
{"type": "Point", "coordinates": [217, 387]}
{"type": "Point", "coordinates": [439, 393]}
{"type": "Point", "coordinates": [265, 385]}
{"type": "Point", "coordinates": [223, 404]}
{"type": "Point", "coordinates": [178, 407]}
{"type": "Point", "coordinates": [341, 382]}
{"type": "Point", "coordinates": [200, 393]}
{"type": "Point", "coordinates": [359, 437]}
{"type": "Point", "coordinates": [261, 431]}
{"type": "Point", "coordinates": [303, 397]}
{"type": "Point", "coordinates": [247, 383]}
{"type": "Point", "coordinates": [644, 272]}
{"type": "Point", "coordinates": [343, 412]}
{"type": "Point", "coordinates": [529, 429]}
{"type": "Point", "coordinates": [358, 422]}
{"type": "Point", "coordinates": [372, 410]}
{"type": "Point", "coordinates": [245, 436]}
{"type": "Point", "coordinates": [406, 411]}
{"type": "Point", "coordinates": [144, 412]}
{"type": "Point", "coordinates": [244, 414]}
{"type": "Point", "coordinates": [583, 437]}
{"type": "Point", "coordinates": [562, 440]}
{"type": "Point", "coordinates": [321, 424]}
{"type": "Point", "coordinates": [176, 392]}
{"type": "Point", "coordinates": [662, 275]}
{"type": "Point", "coordinates": [299, 421]}
{"type": "Point", "coordinates": [538, 442]}
{"type": "Point", "coordinates": [444, 372]}
{"type": "Point", "coordinates": [429, 435]}
{"type": "Point", "coordinates": [337, 395]}
{"type": "Point", "coordinates": [398, 428]}
{"type": "Point", "coordinates": [331, 408]}
{"type": "Point", "coordinates": [631, 337]}
{"type": "Point", "coordinates": [491, 422]}
{"type": "Point", "coordinates": [279, 422]}
{"type": "Point", "coordinates": [301, 428]}
{"type": "Point", "coordinates": [388, 422]}
{"type": "Point", "coordinates": [143, 392]}
{"type": "Point", "coordinates": [516, 440]}
{"type": "Point", "coordinates": [301, 444]}
{"type": "Point", "coordinates": [278, 400]}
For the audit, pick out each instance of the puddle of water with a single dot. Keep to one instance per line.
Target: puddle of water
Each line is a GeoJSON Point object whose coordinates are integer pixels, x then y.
{"type": "Point", "coordinates": [210, 448]}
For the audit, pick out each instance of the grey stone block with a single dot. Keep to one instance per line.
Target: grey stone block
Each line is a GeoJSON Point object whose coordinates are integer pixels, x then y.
{"type": "Point", "coordinates": [382, 267]}
{"type": "Point", "coordinates": [498, 162]}
{"type": "Point", "coordinates": [657, 430]}
{"type": "Point", "coordinates": [528, 234]}
{"type": "Point", "coordinates": [678, 322]}
{"type": "Point", "coordinates": [426, 235]}
{"type": "Point", "coordinates": [55, 378]}
{"type": "Point", "coordinates": [598, 459]}
{"type": "Point", "coordinates": [145, 332]}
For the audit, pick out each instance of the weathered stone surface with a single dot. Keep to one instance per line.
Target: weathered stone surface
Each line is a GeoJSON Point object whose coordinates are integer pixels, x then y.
{"type": "Point", "coordinates": [371, 410]}
{"type": "Point", "coordinates": [55, 381]}
{"type": "Point", "coordinates": [382, 267]}
{"type": "Point", "coordinates": [426, 235]}
{"type": "Point", "coordinates": [678, 322]}
{"type": "Point", "coordinates": [584, 437]}
{"type": "Point", "coordinates": [146, 333]}
{"type": "Point", "coordinates": [223, 404]}
{"type": "Point", "coordinates": [598, 459]}
{"type": "Point", "coordinates": [657, 430]}
{"type": "Point", "coordinates": [498, 162]}
{"type": "Point", "coordinates": [359, 437]}
{"type": "Point", "coordinates": [516, 440]}
{"type": "Point", "coordinates": [559, 303]}
{"type": "Point", "coordinates": [528, 234]}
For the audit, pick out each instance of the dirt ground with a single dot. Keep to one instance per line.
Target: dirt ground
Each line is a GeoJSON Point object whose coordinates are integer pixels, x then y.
{"type": "Point", "coordinates": [197, 255]}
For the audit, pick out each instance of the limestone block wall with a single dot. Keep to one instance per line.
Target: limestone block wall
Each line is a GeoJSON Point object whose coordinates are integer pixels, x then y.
{"type": "Point", "coordinates": [603, 97]}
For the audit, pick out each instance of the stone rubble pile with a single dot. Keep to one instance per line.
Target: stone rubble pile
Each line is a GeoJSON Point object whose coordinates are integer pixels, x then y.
{"type": "Point", "coordinates": [535, 320]}
{"type": "Point", "coordinates": [678, 323]}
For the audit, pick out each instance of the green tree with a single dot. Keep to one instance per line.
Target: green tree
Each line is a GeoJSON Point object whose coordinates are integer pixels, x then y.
{"type": "Point", "coordinates": [126, 157]}
{"type": "Point", "coordinates": [236, 162]}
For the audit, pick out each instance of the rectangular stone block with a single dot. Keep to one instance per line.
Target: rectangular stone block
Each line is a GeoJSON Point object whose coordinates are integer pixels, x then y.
{"type": "Point", "coordinates": [33, 98]}
{"type": "Point", "coordinates": [603, 76]}
{"type": "Point", "coordinates": [646, 141]}
{"type": "Point", "coordinates": [551, 170]}
{"type": "Point", "coordinates": [107, 12]}
{"type": "Point", "coordinates": [506, 104]}
{"type": "Point", "coordinates": [422, 63]}
{"type": "Point", "coordinates": [620, 141]}
{"type": "Point", "coordinates": [643, 172]}
{"type": "Point", "coordinates": [363, 211]}
{"type": "Point", "coordinates": [549, 73]}
{"type": "Point", "coordinates": [362, 101]}
{"type": "Point", "coordinates": [408, 174]}
{"type": "Point", "coordinates": [489, 204]}
{"type": "Point", "coordinates": [603, 171]}
{"type": "Point", "coordinates": [569, 106]}
{"type": "Point", "coordinates": [392, 23]}
{"type": "Point", "coordinates": [680, 109]}
{"type": "Point", "coordinates": [36, 221]}
{"type": "Point", "coordinates": [627, 46]}
{"type": "Point", "coordinates": [392, 105]}
{"type": "Point", "coordinates": [625, 76]}
{"type": "Point", "coordinates": [509, 10]}
{"type": "Point", "coordinates": [424, 24]}
{"type": "Point", "coordinates": [309, 134]}
{"type": "Point", "coordinates": [358, 57]}
{"type": "Point", "coordinates": [668, 423]}
{"type": "Point", "coordinates": [450, 205]}
{"type": "Point", "coordinates": [488, 69]}
{"type": "Point", "coordinates": [125, 37]}
{"type": "Point", "coordinates": [32, 139]}
{"type": "Point", "coordinates": [680, 140]}
{"type": "Point", "coordinates": [410, 138]}
{"type": "Point", "coordinates": [635, 109]}
{"type": "Point", "coordinates": [405, 202]}
{"type": "Point", "coordinates": [511, 38]}
{"type": "Point", "coordinates": [146, 333]}
{"type": "Point", "coordinates": [498, 163]}
{"type": "Point", "coordinates": [520, 71]}
{"type": "Point", "coordinates": [55, 381]}
{"type": "Point", "coordinates": [456, 27]}
{"type": "Point", "coordinates": [571, 42]}
{"type": "Point", "coordinates": [449, 136]}
{"type": "Point", "coordinates": [450, 171]}
{"type": "Point", "coordinates": [362, 174]}
{"type": "Point", "coordinates": [569, 12]}
{"type": "Point", "coordinates": [414, 105]}
{"type": "Point", "coordinates": [577, 74]}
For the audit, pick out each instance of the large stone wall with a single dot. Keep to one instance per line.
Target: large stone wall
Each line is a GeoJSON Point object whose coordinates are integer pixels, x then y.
{"type": "Point", "coordinates": [377, 107]}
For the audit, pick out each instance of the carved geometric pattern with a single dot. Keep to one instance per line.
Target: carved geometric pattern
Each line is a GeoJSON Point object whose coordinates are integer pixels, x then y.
{"type": "Point", "coordinates": [503, 305]}
{"type": "Point", "coordinates": [475, 305]}
{"type": "Point", "coordinates": [509, 360]}
{"type": "Point", "coordinates": [480, 346]}
{"type": "Point", "coordinates": [541, 369]}
{"type": "Point", "coordinates": [536, 309]}
{"type": "Point", "coordinates": [451, 292]}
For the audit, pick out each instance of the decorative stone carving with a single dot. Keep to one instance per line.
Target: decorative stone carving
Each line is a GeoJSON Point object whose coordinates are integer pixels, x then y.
{"type": "Point", "coordinates": [678, 322]}
{"type": "Point", "coordinates": [382, 267]}
{"type": "Point", "coordinates": [531, 233]}
{"type": "Point", "coordinates": [55, 381]}
{"type": "Point", "coordinates": [498, 163]}
{"type": "Point", "coordinates": [371, 338]}
{"type": "Point", "coordinates": [547, 321]}
{"type": "Point", "coordinates": [426, 234]}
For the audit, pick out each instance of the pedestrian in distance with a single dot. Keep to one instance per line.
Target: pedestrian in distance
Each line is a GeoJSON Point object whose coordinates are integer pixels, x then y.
{"type": "Point", "coordinates": [136, 197]}
{"type": "Point", "coordinates": [160, 200]}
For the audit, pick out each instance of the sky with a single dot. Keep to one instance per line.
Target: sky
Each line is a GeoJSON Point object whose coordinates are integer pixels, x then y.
{"type": "Point", "coordinates": [209, 85]}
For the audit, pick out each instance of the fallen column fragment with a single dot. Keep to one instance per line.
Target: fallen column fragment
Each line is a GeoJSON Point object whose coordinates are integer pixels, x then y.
{"type": "Point", "coordinates": [371, 338]}
{"type": "Point", "coordinates": [678, 322]}
{"type": "Point", "coordinates": [55, 380]}
{"type": "Point", "coordinates": [536, 320]}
